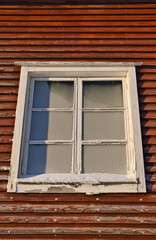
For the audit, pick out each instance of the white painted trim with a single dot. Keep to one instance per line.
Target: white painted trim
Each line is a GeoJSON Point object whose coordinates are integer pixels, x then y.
{"type": "Point", "coordinates": [103, 109]}
{"type": "Point", "coordinates": [89, 189]}
{"type": "Point", "coordinates": [74, 159]}
{"type": "Point", "coordinates": [93, 178]}
{"type": "Point", "coordinates": [71, 64]}
{"type": "Point", "coordinates": [78, 183]}
{"type": "Point", "coordinates": [136, 129]}
{"type": "Point", "coordinates": [26, 132]}
{"type": "Point", "coordinates": [52, 79]}
{"type": "Point", "coordinates": [79, 129]}
{"type": "Point", "coordinates": [19, 122]}
{"type": "Point", "coordinates": [104, 141]}
{"type": "Point", "coordinates": [64, 70]}
{"type": "Point", "coordinates": [50, 141]}
{"type": "Point", "coordinates": [53, 109]}
{"type": "Point", "coordinates": [127, 125]}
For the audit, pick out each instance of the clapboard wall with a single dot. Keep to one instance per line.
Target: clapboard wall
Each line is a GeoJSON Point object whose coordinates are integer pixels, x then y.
{"type": "Point", "coordinates": [78, 33]}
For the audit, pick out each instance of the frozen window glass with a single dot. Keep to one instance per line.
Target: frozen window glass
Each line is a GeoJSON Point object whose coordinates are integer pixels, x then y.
{"type": "Point", "coordinates": [102, 94]}
{"type": "Point", "coordinates": [103, 125]}
{"type": "Point", "coordinates": [104, 159]}
{"type": "Point", "coordinates": [48, 94]}
{"type": "Point", "coordinates": [51, 126]}
{"type": "Point", "coordinates": [49, 159]}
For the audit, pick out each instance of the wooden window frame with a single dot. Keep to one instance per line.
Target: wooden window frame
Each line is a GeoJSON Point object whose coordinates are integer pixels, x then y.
{"type": "Point", "coordinates": [133, 182]}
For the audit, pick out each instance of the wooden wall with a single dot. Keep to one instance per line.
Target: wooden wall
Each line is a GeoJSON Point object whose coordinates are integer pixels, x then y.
{"type": "Point", "coordinates": [78, 33]}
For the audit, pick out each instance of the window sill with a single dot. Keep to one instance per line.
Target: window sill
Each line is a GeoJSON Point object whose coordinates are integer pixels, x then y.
{"type": "Point", "coordinates": [74, 183]}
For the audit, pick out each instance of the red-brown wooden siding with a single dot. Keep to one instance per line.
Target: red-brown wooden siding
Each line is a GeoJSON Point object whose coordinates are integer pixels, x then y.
{"type": "Point", "coordinates": [78, 33]}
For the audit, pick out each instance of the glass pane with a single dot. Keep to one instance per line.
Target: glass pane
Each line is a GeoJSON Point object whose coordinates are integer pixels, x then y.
{"type": "Point", "coordinates": [51, 126]}
{"type": "Point", "coordinates": [48, 94]}
{"type": "Point", "coordinates": [104, 159]}
{"type": "Point", "coordinates": [49, 159]}
{"type": "Point", "coordinates": [102, 94]}
{"type": "Point", "coordinates": [103, 125]}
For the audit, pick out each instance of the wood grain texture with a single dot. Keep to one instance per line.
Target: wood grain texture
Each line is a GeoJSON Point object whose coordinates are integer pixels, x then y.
{"type": "Point", "coordinates": [112, 32]}
{"type": "Point", "coordinates": [77, 207]}
{"type": "Point", "coordinates": [75, 237]}
{"type": "Point", "coordinates": [39, 218]}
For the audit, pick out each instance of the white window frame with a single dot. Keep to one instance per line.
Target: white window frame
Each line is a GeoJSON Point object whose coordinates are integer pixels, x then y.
{"type": "Point", "coordinates": [134, 181]}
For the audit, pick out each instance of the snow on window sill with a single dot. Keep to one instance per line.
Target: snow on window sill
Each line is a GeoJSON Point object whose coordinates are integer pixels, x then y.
{"type": "Point", "coordinates": [94, 178]}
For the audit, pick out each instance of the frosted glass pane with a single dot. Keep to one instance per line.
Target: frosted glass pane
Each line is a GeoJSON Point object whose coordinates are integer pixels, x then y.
{"type": "Point", "coordinates": [102, 94]}
{"type": "Point", "coordinates": [103, 125]}
{"type": "Point", "coordinates": [51, 126]}
{"type": "Point", "coordinates": [49, 159]}
{"type": "Point", "coordinates": [104, 159]}
{"type": "Point", "coordinates": [48, 94]}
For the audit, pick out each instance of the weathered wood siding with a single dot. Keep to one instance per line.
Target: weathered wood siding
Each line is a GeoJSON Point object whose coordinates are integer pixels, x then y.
{"type": "Point", "coordinates": [83, 33]}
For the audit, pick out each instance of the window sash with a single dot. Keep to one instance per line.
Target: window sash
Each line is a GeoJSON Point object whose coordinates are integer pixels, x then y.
{"type": "Point", "coordinates": [27, 140]}
{"type": "Point", "coordinates": [77, 141]}
{"type": "Point", "coordinates": [103, 141]}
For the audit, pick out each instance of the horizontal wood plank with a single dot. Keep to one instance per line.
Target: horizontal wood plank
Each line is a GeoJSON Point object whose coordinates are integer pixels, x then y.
{"type": "Point", "coordinates": [80, 6]}
{"type": "Point", "coordinates": [74, 11]}
{"type": "Point", "coordinates": [68, 29]}
{"type": "Point", "coordinates": [87, 41]}
{"type": "Point", "coordinates": [78, 17]}
{"type": "Point", "coordinates": [52, 47]}
{"type": "Point", "coordinates": [79, 23]}
{"type": "Point", "coordinates": [76, 208]}
{"type": "Point", "coordinates": [43, 218]}
{"type": "Point", "coordinates": [77, 230]}
{"type": "Point", "coordinates": [75, 237]}
{"type": "Point", "coordinates": [63, 198]}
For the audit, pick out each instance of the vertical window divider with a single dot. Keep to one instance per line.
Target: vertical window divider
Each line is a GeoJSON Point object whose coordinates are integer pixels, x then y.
{"type": "Point", "coordinates": [79, 126]}
{"type": "Point", "coordinates": [124, 86]}
{"type": "Point", "coordinates": [74, 158]}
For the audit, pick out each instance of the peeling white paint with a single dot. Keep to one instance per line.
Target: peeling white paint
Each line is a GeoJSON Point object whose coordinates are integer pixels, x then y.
{"type": "Point", "coordinates": [76, 64]}
{"type": "Point", "coordinates": [4, 168]}
{"type": "Point", "coordinates": [89, 189]}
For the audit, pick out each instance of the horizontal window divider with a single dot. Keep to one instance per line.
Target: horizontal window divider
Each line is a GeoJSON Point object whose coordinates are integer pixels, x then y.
{"type": "Point", "coordinates": [103, 141]}
{"type": "Point", "coordinates": [55, 79]}
{"type": "Point", "coordinates": [107, 78]}
{"type": "Point", "coordinates": [52, 109]}
{"type": "Point", "coordinates": [102, 109]}
{"type": "Point", "coordinates": [33, 142]}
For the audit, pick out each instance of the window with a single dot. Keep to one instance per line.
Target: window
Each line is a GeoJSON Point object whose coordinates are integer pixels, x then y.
{"type": "Point", "coordinates": [77, 129]}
